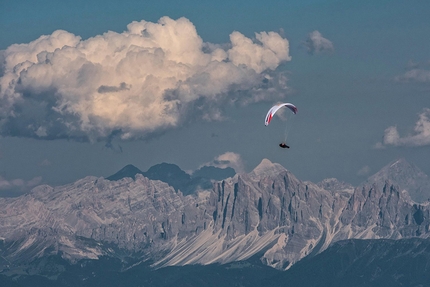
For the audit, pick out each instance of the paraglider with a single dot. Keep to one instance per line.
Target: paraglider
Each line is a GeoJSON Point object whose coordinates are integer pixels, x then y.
{"type": "Point", "coordinates": [272, 112]}
{"type": "Point", "coordinates": [275, 108]}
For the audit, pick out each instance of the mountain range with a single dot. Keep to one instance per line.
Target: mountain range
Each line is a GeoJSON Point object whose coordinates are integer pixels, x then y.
{"type": "Point", "coordinates": [176, 177]}
{"type": "Point", "coordinates": [146, 218]}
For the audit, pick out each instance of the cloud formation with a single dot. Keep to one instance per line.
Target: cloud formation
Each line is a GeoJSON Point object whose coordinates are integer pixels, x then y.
{"type": "Point", "coordinates": [416, 72]}
{"type": "Point", "coordinates": [316, 43]}
{"type": "Point", "coordinates": [150, 78]}
{"type": "Point", "coordinates": [228, 159]}
{"type": "Point", "coordinates": [420, 136]}
{"type": "Point", "coordinates": [365, 170]}
{"type": "Point", "coordinates": [19, 184]}
{"type": "Point", "coordinates": [415, 75]}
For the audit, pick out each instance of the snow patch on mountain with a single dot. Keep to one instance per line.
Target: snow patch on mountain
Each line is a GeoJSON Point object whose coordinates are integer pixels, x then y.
{"type": "Point", "coordinates": [209, 247]}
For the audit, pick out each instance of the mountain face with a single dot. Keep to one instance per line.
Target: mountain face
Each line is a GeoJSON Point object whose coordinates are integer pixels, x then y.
{"type": "Point", "coordinates": [267, 212]}
{"type": "Point", "coordinates": [407, 177]}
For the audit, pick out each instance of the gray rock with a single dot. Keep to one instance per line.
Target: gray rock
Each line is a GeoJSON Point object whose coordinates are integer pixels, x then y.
{"type": "Point", "coordinates": [267, 211]}
{"type": "Point", "coordinates": [407, 176]}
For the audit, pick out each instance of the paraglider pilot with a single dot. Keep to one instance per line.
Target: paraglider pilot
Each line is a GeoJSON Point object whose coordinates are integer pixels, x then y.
{"type": "Point", "coordinates": [283, 145]}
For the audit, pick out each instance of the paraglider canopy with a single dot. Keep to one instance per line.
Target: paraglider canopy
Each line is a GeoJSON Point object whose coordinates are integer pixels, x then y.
{"type": "Point", "coordinates": [272, 112]}
{"type": "Point", "coordinates": [275, 108]}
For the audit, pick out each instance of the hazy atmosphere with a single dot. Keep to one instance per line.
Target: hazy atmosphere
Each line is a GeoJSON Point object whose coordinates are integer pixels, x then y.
{"type": "Point", "coordinates": [89, 87]}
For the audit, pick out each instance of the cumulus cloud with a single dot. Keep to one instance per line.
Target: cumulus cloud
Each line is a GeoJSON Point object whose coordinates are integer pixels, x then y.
{"type": "Point", "coordinates": [145, 80]}
{"type": "Point", "coordinates": [316, 43]}
{"type": "Point", "coordinates": [419, 137]}
{"type": "Point", "coordinates": [228, 159]}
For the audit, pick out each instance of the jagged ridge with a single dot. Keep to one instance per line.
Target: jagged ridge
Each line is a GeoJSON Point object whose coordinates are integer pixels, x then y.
{"type": "Point", "coordinates": [267, 211]}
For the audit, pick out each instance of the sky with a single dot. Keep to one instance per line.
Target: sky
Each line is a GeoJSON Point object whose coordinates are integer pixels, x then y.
{"type": "Point", "coordinates": [87, 87]}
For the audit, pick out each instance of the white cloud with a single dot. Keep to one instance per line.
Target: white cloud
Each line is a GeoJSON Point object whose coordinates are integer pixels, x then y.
{"type": "Point", "coordinates": [420, 136]}
{"type": "Point", "coordinates": [268, 55]}
{"type": "Point", "coordinates": [364, 171]}
{"type": "Point", "coordinates": [228, 159]}
{"type": "Point", "coordinates": [19, 183]}
{"type": "Point", "coordinates": [316, 43]}
{"type": "Point", "coordinates": [151, 77]}
{"type": "Point", "coordinates": [4, 184]}
{"type": "Point", "coordinates": [415, 75]}
{"type": "Point", "coordinates": [45, 162]}
{"type": "Point", "coordinates": [34, 181]}
{"type": "Point", "coordinates": [416, 72]}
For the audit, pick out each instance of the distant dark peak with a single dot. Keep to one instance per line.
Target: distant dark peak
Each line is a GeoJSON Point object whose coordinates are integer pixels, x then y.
{"type": "Point", "coordinates": [127, 171]}
{"type": "Point", "coordinates": [174, 176]}
{"type": "Point", "coordinates": [170, 174]}
{"type": "Point", "coordinates": [215, 173]}
{"type": "Point", "coordinates": [166, 168]}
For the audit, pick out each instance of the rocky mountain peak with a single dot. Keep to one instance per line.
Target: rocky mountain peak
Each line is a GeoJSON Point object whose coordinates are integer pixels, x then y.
{"type": "Point", "coordinates": [268, 212]}
{"type": "Point", "coordinates": [267, 168]}
{"type": "Point", "coordinates": [407, 177]}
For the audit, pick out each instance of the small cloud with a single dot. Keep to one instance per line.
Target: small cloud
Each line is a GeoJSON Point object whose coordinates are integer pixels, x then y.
{"type": "Point", "coordinates": [34, 181]}
{"type": "Point", "coordinates": [316, 44]}
{"type": "Point", "coordinates": [379, 145]}
{"type": "Point", "coordinates": [420, 136]}
{"type": "Point", "coordinates": [415, 75]}
{"type": "Point", "coordinates": [412, 65]}
{"type": "Point", "coordinates": [41, 132]}
{"type": "Point", "coordinates": [364, 171]}
{"type": "Point", "coordinates": [4, 184]}
{"type": "Point", "coordinates": [228, 159]}
{"type": "Point", "coordinates": [45, 162]}
{"type": "Point", "coordinates": [18, 183]}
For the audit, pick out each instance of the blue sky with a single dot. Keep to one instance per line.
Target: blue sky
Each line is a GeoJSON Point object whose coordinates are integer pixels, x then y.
{"type": "Point", "coordinates": [363, 98]}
